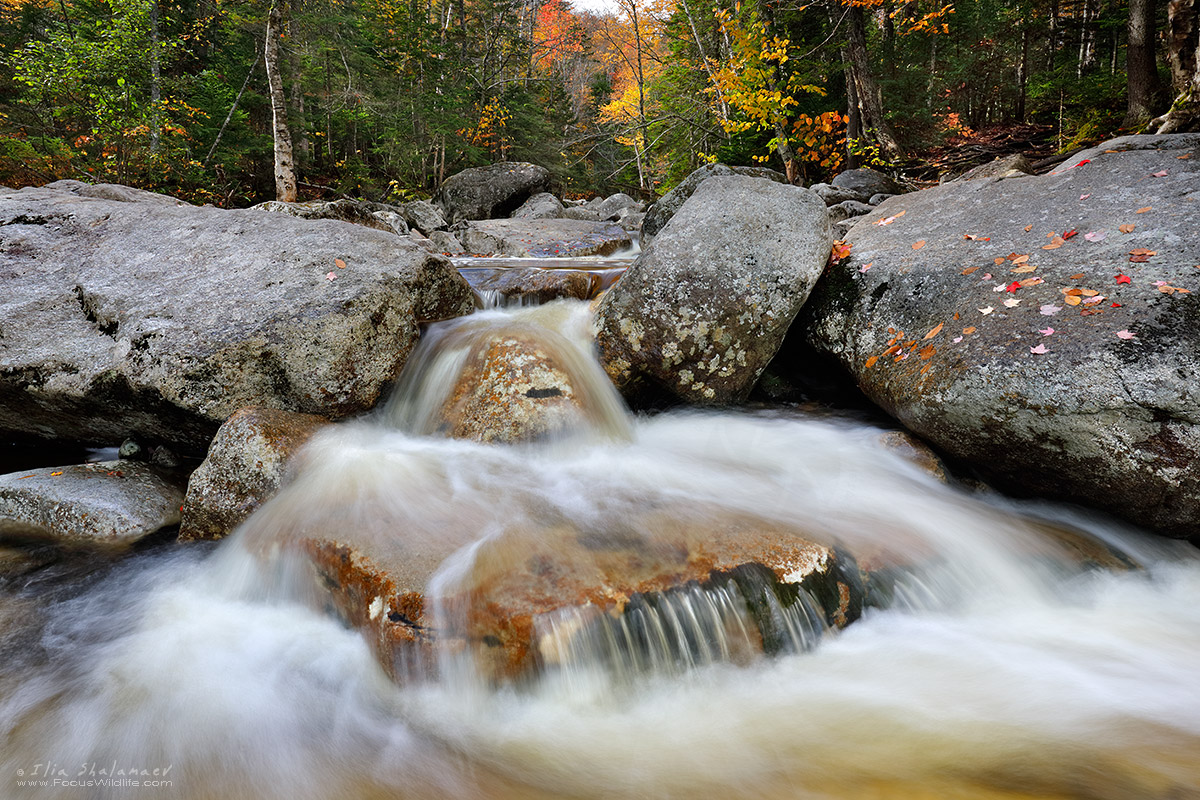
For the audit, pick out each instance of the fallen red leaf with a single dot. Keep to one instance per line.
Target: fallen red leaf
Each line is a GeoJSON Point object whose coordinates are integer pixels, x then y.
{"type": "Point", "coordinates": [1123, 279]}
{"type": "Point", "coordinates": [1012, 287]}
{"type": "Point", "coordinates": [1069, 234]}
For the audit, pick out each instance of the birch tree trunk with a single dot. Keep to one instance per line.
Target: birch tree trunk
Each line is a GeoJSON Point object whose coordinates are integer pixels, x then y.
{"type": "Point", "coordinates": [285, 170]}
{"type": "Point", "coordinates": [1183, 55]}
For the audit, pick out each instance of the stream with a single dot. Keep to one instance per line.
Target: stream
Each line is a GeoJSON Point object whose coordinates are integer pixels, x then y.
{"type": "Point", "coordinates": [1028, 650]}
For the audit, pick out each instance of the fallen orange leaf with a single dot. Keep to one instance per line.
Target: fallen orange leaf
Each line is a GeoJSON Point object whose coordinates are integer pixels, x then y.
{"type": "Point", "coordinates": [968, 331]}
{"type": "Point", "coordinates": [1078, 276]}
{"type": "Point", "coordinates": [970, 270]}
{"type": "Point", "coordinates": [1073, 300]}
{"type": "Point", "coordinates": [1026, 268]}
{"type": "Point", "coordinates": [1028, 228]}
{"type": "Point", "coordinates": [918, 245]}
{"type": "Point", "coordinates": [870, 362]}
{"type": "Point", "coordinates": [1143, 210]}
{"type": "Point", "coordinates": [927, 352]}
{"type": "Point", "coordinates": [1031, 282]}
{"type": "Point", "coordinates": [1127, 228]}
{"type": "Point", "coordinates": [340, 264]}
{"type": "Point", "coordinates": [935, 331]}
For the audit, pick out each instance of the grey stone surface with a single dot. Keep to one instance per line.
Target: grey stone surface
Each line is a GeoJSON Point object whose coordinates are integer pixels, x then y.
{"type": "Point", "coordinates": [490, 192]}
{"type": "Point", "coordinates": [1012, 166]}
{"type": "Point", "coordinates": [446, 242]}
{"type": "Point", "coordinates": [114, 191]}
{"type": "Point", "coordinates": [359, 212]}
{"type": "Point", "coordinates": [542, 238]}
{"type": "Point", "coordinates": [246, 464]}
{"type": "Point", "coordinates": [109, 502]}
{"type": "Point", "coordinates": [612, 207]}
{"type": "Point", "coordinates": [582, 213]}
{"type": "Point", "coordinates": [661, 212]}
{"type": "Point", "coordinates": [540, 206]}
{"type": "Point", "coordinates": [876, 199]}
{"type": "Point", "coordinates": [832, 195]}
{"type": "Point", "coordinates": [864, 182]}
{"type": "Point", "coordinates": [422, 215]}
{"type": "Point", "coordinates": [848, 209]}
{"type": "Point", "coordinates": [534, 286]}
{"type": "Point", "coordinates": [132, 318]}
{"type": "Point", "coordinates": [705, 307]}
{"type": "Point", "coordinates": [1096, 403]}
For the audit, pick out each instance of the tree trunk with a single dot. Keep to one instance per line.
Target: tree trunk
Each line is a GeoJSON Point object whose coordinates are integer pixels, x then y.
{"type": "Point", "coordinates": [1087, 39]}
{"type": "Point", "coordinates": [1183, 55]}
{"type": "Point", "coordinates": [1023, 76]}
{"type": "Point", "coordinates": [1141, 65]}
{"type": "Point", "coordinates": [854, 130]}
{"type": "Point", "coordinates": [869, 95]}
{"type": "Point", "coordinates": [285, 170]}
{"type": "Point", "coordinates": [296, 113]}
{"type": "Point", "coordinates": [155, 82]}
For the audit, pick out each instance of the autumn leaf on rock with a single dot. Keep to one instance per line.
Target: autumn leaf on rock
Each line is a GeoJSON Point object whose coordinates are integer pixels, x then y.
{"type": "Point", "coordinates": [969, 330]}
{"type": "Point", "coordinates": [927, 352]}
{"type": "Point", "coordinates": [998, 260]}
{"type": "Point", "coordinates": [1019, 259]}
{"type": "Point", "coordinates": [1084, 196]}
{"type": "Point", "coordinates": [1069, 234]}
{"type": "Point", "coordinates": [957, 339]}
{"type": "Point", "coordinates": [1143, 210]}
{"type": "Point", "coordinates": [1028, 228]}
{"type": "Point", "coordinates": [1012, 302]}
{"type": "Point", "coordinates": [1040, 350]}
{"type": "Point", "coordinates": [840, 251]}
{"type": "Point", "coordinates": [1125, 334]}
{"type": "Point", "coordinates": [339, 263]}
{"type": "Point", "coordinates": [1025, 268]}
{"type": "Point", "coordinates": [1055, 243]}
{"type": "Point", "coordinates": [986, 310]}
{"type": "Point", "coordinates": [866, 267]}
{"type": "Point", "coordinates": [918, 245]}
{"type": "Point", "coordinates": [1123, 279]}
{"type": "Point", "coordinates": [1160, 174]}
{"type": "Point", "coordinates": [889, 220]}
{"type": "Point", "coordinates": [1012, 287]}
{"type": "Point", "coordinates": [1126, 228]}
{"type": "Point", "coordinates": [935, 331]}
{"type": "Point", "coordinates": [1078, 276]}
{"type": "Point", "coordinates": [330, 276]}
{"type": "Point", "coordinates": [1031, 282]}
{"type": "Point", "coordinates": [1050, 310]}
{"type": "Point", "coordinates": [1045, 331]}
{"type": "Point", "coordinates": [970, 270]}
{"type": "Point", "coordinates": [871, 362]}
{"type": "Point", "coordinates": [1095, 236]}
{"type": "Point", "coordinates": [1073, 299]}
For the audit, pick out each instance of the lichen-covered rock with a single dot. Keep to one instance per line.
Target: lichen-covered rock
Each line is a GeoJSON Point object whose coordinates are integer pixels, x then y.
{"type": "Point", "coordinates": [864, 182]}
{"type": "Point", "coordinates": [491, 192]}
{"type": "Point", "coordinates": [540, 206]}
{"type": "Point", "coordinates": [246, 464]}
{"type": "Point", "coordinates": [705, 307]}
{"type": "Point", "coordinates": [108, 502]}
{"type": "Point", "coordinates": [1044, 330]}
{"type": "Point", "coordinates": [159, 321]}
{"type": "Point", "coordinates": [659, 214]}
{"type": "Point", "coordinates": [512, 388]}
{"type": "Point", "coordinates": [543, 238]}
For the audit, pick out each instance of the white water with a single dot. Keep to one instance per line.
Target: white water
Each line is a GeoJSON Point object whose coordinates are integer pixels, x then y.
{"type": "Point", "coordinates": [1009, 674]}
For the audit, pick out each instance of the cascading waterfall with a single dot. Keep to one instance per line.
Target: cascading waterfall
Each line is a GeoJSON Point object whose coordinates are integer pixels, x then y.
{"type": "Point", "coordinates": [1005, 649]}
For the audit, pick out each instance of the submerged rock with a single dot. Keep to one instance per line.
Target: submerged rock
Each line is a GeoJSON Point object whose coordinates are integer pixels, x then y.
{"type": "Point", "coordinates": [1044, 330]}
{"type": "Point", "coordinates": [704, 308]}
{"type": "Point", "coordinates": [543, 238]}
{"type": "Point", "coordinates": [246, 464]}
{"type": "Point", "coordinates": [490, 192]}
{"type": "Point", "coordinates": [108, 502]}
{"type": "Point", "coordinates": [535, 599]}
{"type": "Point", "coordinates": [533, 286]}
{"type": "Point", "coordinates": [147, 319]}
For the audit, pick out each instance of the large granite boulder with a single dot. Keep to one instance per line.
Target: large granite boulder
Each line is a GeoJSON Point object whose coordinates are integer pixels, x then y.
{"type": "Point", "coordinates": [246, 464]}
{"type": "Point", "coordinates": [540, 206]}
{"type": "Point", "coordinates": [490, 192]}
{"type": "Point", "coordinates": [155, 320]}
{"type": "Point", "coordinates": [1044, 330]}
{"type": "Point", "coordinates": [704, 308]}
{"type": "Point", "coordinates": [422, 215]}
{"type": "Point", "coordinates": [108, 502]}
{"type": "Point", "coordinates": [661, 212]}
{"type": "Point", "coordinates": [543, 238]}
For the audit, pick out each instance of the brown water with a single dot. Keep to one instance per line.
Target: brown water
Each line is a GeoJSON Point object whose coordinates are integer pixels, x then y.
{"type": "Point", "coordinates": [1004, 670]}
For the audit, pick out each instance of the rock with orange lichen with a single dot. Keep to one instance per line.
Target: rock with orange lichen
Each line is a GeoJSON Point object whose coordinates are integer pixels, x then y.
{"type": "Point", "coordinates": [501, 609]}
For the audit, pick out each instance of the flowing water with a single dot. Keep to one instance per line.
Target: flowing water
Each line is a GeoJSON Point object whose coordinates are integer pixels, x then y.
{"type": "Point", "coordinates": [1004, 663]}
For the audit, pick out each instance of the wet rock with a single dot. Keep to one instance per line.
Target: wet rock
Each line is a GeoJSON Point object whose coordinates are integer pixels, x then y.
{"type": "Point", "coordinates": [704, 308]}
{"type": "Point", "coordinates": [491, 192]}
{"type": "Point", "coordinates": [916, 451]}
{"type": "Point", "coordinates": [631, 220]}
{"type": "Point", "coordinates": [422, 215]}
{"type": "Point", "coordinates": [533, 596]}
{"type": "Point", "coordinates": [661, 212]}
{"type": "Point", "coordinates": [540, 206]}
{"type": "Point", "coordinates": [1081, 385]}
{"type": "Point", "coordinates": [246, 464]}
{"type": "Point", "coordinates": [534, 286]}
{"type": "Point", "coordinates": [160, 321]}
{"type": "Point", "coordinates": [543, 238]}
{"type": "Point", "coordinates": [108, 502]}
{"type": "Point", "coordinates": [358, 212]}
{"type": "Point", "coordinates": [1013, 166]}
{"type": "Point", "coordinates": [848, 209]}
{"type": "Point", "coordinates": [863, 183]}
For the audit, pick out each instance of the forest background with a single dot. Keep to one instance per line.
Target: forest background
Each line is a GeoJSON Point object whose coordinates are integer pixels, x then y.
{"type": "Point", "coordinates": [384, 99]}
